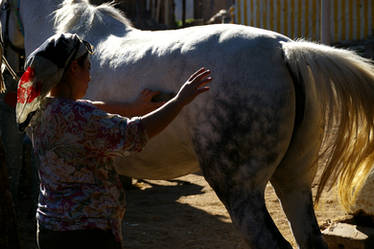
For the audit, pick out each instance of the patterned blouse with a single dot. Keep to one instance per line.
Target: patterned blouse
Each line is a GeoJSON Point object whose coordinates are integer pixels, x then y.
{"type": "Point", "coordinates": [76, 143]}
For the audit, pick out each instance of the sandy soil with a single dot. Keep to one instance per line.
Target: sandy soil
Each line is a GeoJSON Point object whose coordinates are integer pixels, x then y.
{"type": "Point", "coordinates": [185, 213]}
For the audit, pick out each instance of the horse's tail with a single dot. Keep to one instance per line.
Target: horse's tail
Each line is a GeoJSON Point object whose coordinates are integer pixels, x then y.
{"type": "Point", "coordinates": [344, 84]}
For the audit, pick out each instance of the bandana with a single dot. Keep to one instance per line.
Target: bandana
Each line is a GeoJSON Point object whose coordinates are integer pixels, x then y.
{"type": "Point", "coordinates": [44, 69]}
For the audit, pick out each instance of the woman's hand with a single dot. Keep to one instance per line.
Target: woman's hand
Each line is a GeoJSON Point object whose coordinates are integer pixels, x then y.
{"type": "Point", "coordinates": [144, 104]}
{"type": "Point", "coordinates": [194, 86]}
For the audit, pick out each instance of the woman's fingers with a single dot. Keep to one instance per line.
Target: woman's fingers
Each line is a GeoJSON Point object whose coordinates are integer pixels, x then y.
{"type": "Point", "coordinates": [200, 77]}
{"type": "Point", "coordinates": [203, 74]}
{"type": "Point", "coordinates": [194, 75]}
{"type": "Point", "coordinates": [204, 81]}
{"type": "Point", "coordinates": [201, 80]}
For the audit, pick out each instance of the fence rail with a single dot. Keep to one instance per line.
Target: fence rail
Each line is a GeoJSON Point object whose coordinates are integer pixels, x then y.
{"type": "Point", "coordinates": [348, 19]}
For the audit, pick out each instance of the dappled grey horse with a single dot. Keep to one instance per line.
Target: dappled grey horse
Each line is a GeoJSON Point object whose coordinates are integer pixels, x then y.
{"type": "Point", "coordinates": [276, 107]}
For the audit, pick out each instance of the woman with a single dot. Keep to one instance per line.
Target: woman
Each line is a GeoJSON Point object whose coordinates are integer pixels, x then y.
{"type": "Point", "coordinates": [82, 202]}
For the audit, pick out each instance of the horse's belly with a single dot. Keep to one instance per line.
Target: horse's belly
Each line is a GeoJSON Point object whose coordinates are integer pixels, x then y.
{"type": "Point", "coordinates": [166, 156]}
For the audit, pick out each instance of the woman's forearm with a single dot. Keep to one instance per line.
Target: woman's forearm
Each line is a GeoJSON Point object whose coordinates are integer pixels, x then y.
{"type": "Point", "coordinates": [159, 119]}
{"type": "Point", "coordinates": [153, 122]}
{"type": "Point", "coordinates": [142, 105]}
{"type": "Point", "coordinates": [123, 109]}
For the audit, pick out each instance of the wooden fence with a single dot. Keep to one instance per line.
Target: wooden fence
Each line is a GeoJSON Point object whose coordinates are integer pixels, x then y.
{"type": "Point", "coordinates": [348, 19]}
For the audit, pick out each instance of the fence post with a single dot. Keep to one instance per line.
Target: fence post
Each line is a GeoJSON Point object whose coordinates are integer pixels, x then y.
{"type": "Point", "coordinates": [184, 9]}
{"type": "Point", "coordinates": [325, 22]}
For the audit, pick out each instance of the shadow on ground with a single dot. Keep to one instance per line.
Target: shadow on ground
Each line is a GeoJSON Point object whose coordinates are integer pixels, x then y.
{"type": "Point", "coordinates": [159, 217]}
{"type": "Point", "coordinates": [162, 214]}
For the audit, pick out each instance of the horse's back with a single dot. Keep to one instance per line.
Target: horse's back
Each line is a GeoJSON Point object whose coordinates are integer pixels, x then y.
{"type": "Point", "coordinates": [252, 89]}
{"type": "Point", "coordinates": [240, 56]}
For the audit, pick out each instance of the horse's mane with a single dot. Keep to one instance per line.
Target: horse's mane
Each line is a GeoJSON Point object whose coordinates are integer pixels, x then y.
{"type": "Point", "coordinates": [79, 15]}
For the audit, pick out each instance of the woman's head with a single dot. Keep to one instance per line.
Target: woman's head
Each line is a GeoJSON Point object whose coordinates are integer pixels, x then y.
{"type": "Point", "coordinates": [46, 67]}
{"type": "Point", "coordinates": [74, 82]}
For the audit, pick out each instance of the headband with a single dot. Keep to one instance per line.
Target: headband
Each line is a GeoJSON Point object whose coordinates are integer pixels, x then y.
{"type": "Point", "coordinates": [44, 69]}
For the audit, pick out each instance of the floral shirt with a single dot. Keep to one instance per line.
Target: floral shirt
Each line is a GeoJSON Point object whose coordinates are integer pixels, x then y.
{"type": "Point", "coordinates": [76, 143]}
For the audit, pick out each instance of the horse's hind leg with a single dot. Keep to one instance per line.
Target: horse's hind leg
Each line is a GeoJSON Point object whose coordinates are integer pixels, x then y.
{"type": "Point", "coordinates": [238, 158]}
{"type": "Point", "coordinates": [297, 203]}
{"type": "Point", "coordinates": [292, 182]}
{"type": "Point", "coordinates": [243, 195]}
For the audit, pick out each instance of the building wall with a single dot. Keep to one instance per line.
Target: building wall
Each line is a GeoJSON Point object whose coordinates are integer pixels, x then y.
{"type": "Point", "coordinates": [138, 10]}
{"type": "Point", "coordinates": [189, 9]}
{"type": "Point", "coordinates": [349, 19]}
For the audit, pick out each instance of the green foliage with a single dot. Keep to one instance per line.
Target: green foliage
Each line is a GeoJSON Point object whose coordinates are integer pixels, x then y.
{"type": "Point", "coordinates": [188, 22]}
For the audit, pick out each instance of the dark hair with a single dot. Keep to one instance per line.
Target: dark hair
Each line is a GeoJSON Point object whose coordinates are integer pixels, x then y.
{"type": "Point", "coordinates": [81, 59]}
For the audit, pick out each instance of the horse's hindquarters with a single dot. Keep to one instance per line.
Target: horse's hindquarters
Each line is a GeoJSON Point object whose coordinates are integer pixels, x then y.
{"type": "Point", "coordinates": [250, 125]}
{"type": "Point", "coordinates": [242, 137]}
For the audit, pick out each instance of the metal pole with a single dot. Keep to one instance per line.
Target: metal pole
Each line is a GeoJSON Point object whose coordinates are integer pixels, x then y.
{"type": "Point", "coordinates": [158, 11]}
{"type": "Point", "coordinates": [325, 22]}
{"type": "Point", "coordinates": [183, 13]}
{"type": "Point", "coordinates": [152, 8]}
{"type": "Point", "coordinates": [167, 12]}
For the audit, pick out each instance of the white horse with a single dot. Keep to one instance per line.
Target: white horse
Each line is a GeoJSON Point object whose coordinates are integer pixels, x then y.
{"type": "Point", "coordinates": [275, 108]}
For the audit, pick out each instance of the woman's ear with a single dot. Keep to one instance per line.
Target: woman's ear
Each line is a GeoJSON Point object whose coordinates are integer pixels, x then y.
{"type": "Point", "coordinates": [74, 67]}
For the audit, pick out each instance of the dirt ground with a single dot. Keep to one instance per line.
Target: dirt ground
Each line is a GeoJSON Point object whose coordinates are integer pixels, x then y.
{"type": "Point", "coordinates": [184, 213]}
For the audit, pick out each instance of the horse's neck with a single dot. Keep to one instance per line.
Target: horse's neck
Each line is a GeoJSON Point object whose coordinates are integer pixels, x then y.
{"type": "Point", "coordinates": [101, 29]}
{"type": "Point", "coordinates": [38, 17]}
{"type": "Point", "coordinates": [38, 21]}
